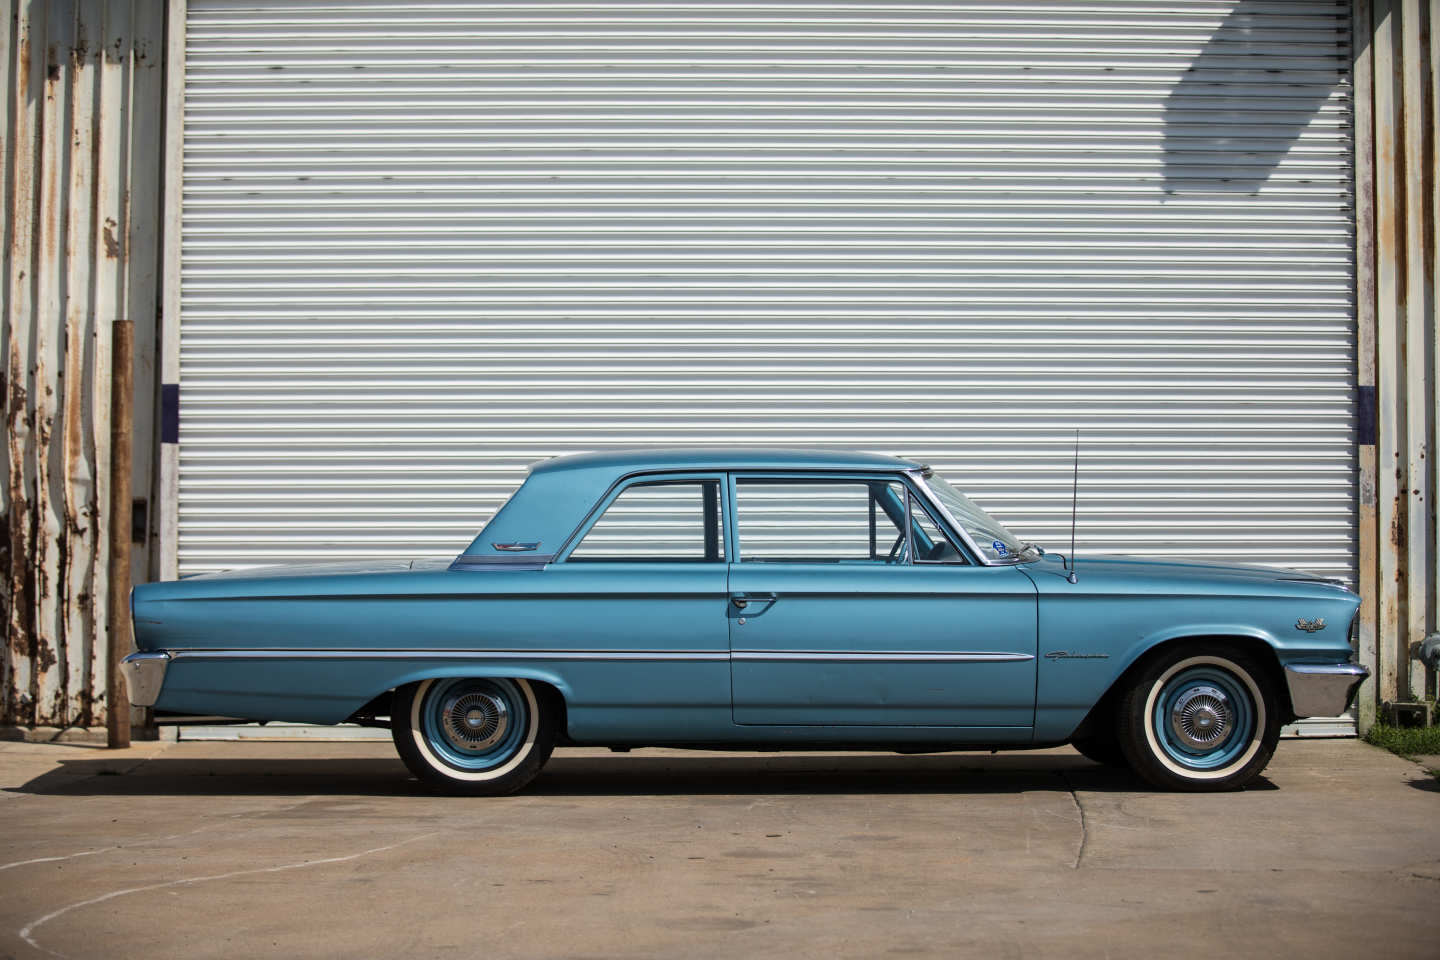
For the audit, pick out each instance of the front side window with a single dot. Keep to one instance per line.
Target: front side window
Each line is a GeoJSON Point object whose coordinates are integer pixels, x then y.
{"type": "Point", "coordinates": [821, 521]}
{"type": "Point", "coordinates": [929, 543]}
{"type": "Point", "coordinates": [666, 521]}
{"type": "Point", "coordinates": [997, 544]}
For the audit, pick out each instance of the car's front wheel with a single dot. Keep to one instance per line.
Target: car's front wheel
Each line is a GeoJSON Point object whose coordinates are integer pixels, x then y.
{"type": "Point", "coordinates": [1199, 717]}
{"type": "Point", "coordinates": [473, 735]}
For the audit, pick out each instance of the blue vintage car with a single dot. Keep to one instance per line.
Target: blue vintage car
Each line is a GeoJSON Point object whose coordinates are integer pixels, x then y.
{"type": "Point", "coordinates": [758, 599]}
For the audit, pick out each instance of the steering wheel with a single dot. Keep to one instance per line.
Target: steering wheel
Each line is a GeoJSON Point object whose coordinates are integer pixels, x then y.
{"type": "Point", "coordinates": [895, 548]}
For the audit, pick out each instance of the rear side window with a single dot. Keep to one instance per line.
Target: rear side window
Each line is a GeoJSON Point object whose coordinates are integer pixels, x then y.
{"type": "Point", "coordinates": [678, 521]}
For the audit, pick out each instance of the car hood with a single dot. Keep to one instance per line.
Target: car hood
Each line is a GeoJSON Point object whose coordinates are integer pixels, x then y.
{"type": "Point", "coordinates": [1204, 568]}
{"type": "Point", "coordinates": [1179, 569]}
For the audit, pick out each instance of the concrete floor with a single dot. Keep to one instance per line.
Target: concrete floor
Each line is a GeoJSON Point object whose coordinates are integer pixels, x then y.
{"type": "Point", "coordinates": [329, 850]}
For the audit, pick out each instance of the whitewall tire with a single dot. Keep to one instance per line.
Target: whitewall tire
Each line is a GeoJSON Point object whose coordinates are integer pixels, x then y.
{"type": "Point", "coordinates": [475, 735]}
{"type": "Point", "coordinates": [1199, 717]}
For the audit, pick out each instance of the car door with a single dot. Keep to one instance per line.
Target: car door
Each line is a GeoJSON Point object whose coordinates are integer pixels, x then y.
{"type": "Point", "coordinates": [641, 593]}
{"type": "Point", "coordinates": [851, 606]}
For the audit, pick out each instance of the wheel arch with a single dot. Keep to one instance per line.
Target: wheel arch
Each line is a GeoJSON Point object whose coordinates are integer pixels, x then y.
{"type": "Point", "coordinates": [549, 685]}
{"type": "Point", "coordinates": [1256, 645]}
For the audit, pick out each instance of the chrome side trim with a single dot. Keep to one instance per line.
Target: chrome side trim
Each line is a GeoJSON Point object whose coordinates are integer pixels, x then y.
{"type": "Point", "coordinates": [881, 656]}
{"type": "Point", "coordinates": [144, 676]}
{"type": "Point", "coordinates": [875, 656]}
{"type": "Point", "coordinates": [1323, 690]}
{"type": "Point", "coordinates": [504, 562]}
{"type": "Point", "coordinates": [200, 653]}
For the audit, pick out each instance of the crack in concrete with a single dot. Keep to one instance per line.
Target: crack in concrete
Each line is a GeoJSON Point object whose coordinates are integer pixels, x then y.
{"type": "Point", "coordinates": [146, 841]}
{"type": "Point", "coordinates": [110, 849]}
{"type": "Point", "coordinates": [1084, 827]}
{"type": "Point", "coordinates": [27, 932]}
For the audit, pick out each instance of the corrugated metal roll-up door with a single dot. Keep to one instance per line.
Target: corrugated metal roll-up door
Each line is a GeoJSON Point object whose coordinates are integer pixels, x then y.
{"type": "Point", "coordinates": [427, 244]}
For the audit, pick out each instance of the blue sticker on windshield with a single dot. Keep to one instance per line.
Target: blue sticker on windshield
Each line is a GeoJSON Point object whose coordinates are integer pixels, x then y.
{"type": "Point", "coordinates": [998, 547]}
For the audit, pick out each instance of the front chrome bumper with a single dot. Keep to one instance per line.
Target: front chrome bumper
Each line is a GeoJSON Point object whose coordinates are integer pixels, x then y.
{"type": "Point", "coordinates": [1323, 689]}
{"type": "Point", "coordinates": [145, 675]}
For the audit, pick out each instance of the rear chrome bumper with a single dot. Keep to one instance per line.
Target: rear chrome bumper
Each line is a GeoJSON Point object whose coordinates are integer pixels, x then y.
{"type": "Point", "coordinates": [1323, 689]}
{"type": "Point", "coordinates": [145, 675]}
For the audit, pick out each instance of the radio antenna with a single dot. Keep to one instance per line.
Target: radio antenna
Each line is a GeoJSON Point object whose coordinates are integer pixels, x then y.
{"type": "Point", "coordinates": [1074, 499]}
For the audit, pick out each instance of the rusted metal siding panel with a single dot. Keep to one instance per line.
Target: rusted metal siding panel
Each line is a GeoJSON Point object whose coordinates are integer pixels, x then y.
{"type": "Point", "coordinates": [8, 39]}
{"type": "Point", "coordinates": [21, 147]}
{"type": "Point", "coordinates": [166, 562]}
{"type": "Point", "coordinates": [1434, 393]}
{"type": "Point", "coordinates": [1365, 345]}
{"type": "Point", "coordinates": [141, 233]}
{"type": "Point", "coordinates": [80, 476]}
{"type": "Point", "coordinates": [51, 539]}
{"type": "Point", "coordinates": [1419, 309]}
{"type": "Point", "coordinates": [1397, 297]}
{"type": "Point", "coordinates": [1390, 467]}
{"type": "Point", "coordinates": [70, 148]}
{"type": "Point", "coordinates": [7, 62]}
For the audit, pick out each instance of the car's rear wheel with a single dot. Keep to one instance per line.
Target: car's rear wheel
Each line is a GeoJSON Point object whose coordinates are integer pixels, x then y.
{"type": "Point", "coordinates": [1199, 718]}
{"type": "Point", "coordinates": [473, 735]}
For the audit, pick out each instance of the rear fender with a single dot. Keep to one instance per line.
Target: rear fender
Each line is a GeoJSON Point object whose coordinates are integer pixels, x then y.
{"type": "Point", "coordinates": [509, 671]}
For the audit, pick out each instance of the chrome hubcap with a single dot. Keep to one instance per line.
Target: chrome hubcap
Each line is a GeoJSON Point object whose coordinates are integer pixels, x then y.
{"type": "Point", "coordinates": [475, 722]}
{"type": "Point", "coordinates": [1202, 718]}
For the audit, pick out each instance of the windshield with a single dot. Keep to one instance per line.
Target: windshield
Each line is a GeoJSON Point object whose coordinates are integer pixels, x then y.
{"type": "Point", "coordinates": [995, 543]}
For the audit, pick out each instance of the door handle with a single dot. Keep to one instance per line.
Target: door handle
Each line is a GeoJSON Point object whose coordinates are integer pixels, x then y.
{"type": "Point", "coordinates": [743, 600]}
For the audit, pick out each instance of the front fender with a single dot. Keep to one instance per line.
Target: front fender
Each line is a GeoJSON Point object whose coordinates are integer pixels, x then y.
{"type": "Point", "coordinates": [1072, 679]}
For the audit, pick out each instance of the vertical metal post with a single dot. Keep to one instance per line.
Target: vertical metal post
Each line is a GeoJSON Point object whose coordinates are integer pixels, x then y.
{"type": "Point", "coordinates": [167, 474]}
{"type": "Point", "coordinates": [1364, 80]}
{"type": "Point", "coordinates": [1432, 478]}
{"type": "Point", "coordinates": [1393, 679]}
{"type": "Point", "coordinates": [1418, 329]}
{"type": "Point", "coordinates": [122, 385]}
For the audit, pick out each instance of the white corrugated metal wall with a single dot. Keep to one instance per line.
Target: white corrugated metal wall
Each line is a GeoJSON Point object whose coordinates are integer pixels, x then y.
{"type": "Point", "coordinates": [427, 244]}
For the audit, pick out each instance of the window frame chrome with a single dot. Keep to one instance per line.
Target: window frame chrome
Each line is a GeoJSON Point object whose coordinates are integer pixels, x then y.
{"type": "Point", "coordinates": [801, 476]}
{"type": "Point", "coordinates": [593, 516]}
{"type": "Point", "coordinates": [940, 522]}
{"type": "Point", "coordinates": [917, 480]}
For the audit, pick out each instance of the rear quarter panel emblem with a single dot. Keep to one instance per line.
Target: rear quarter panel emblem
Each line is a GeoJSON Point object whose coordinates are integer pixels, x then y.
{"type": "Point", "coordinates": [1310, 626]}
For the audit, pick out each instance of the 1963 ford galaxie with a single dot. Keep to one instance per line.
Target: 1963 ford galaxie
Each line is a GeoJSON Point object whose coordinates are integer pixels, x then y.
{"type": "Point", "coordinates": [758, 598]}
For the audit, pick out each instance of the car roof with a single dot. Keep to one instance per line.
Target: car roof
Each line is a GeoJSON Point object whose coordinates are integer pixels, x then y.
{"type": "Point", "coordinates": [558, 495]}
{"type": "Point", "coordinates": [724, 458]}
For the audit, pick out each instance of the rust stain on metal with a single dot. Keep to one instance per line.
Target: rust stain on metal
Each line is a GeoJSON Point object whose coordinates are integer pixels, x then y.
{"type": "Point", "coordinates": [72, 90]}
{"type": "Point", "coordinates": [20, 620]}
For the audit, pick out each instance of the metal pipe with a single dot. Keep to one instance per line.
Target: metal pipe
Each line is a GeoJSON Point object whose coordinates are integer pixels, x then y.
{"type": "Point", "coordinates": [1430, 652]}
{"type": "Point", "coordinates": [122, 385]}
